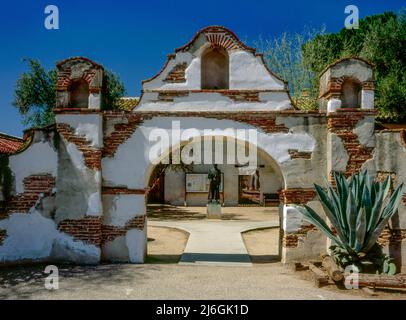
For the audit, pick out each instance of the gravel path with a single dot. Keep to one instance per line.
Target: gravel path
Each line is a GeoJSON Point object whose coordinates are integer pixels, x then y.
{"type": "Point", "coordinates": [163, 281]}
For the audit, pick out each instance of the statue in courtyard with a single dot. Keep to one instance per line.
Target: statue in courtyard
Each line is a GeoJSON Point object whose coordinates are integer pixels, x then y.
{"type": "Point", "coordinates": [214, 186]}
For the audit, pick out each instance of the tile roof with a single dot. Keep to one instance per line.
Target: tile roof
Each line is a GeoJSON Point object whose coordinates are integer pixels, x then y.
{"type": "Point", "coordinates": [9, 144]}
{"type": "Point", "coordinates": [127, 103]}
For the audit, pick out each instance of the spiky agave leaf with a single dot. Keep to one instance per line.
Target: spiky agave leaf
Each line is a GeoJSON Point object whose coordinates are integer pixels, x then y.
{"type": "Point", "coordinates": [357, 210]}
{"type": "Point", "coordinates": [388, 212]}
{"type": "Point", "coordinates": [332, 214]}
{"type": "Point", "coordinates": [315, 219]}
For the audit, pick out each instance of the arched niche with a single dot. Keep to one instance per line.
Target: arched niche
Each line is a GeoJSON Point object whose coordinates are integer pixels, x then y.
{"type": "Point", "coordinates": [351, 94]}
{"type": "Point", "coordinates": [215, 69]}
{"type": "Point", "coordinates": [79, 94]}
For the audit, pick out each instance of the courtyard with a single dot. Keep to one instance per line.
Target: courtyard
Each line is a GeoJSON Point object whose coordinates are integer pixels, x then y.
{"type": "Point", "coordinates": [163, 277]}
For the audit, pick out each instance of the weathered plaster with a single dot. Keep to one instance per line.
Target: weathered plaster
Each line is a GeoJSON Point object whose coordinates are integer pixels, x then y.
{"type": "Point", "coordinates": [117, 171]}
{"type": "Point", "coordinates": [119, 209]}
{"type": "Point", "coordinates": [33, 237]}
{"type": "Point", "coordinates": [42, 159]}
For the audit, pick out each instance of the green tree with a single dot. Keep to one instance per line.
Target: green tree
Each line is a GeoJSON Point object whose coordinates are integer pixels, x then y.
{"type": "Point", "coordinates": [380, 39]}
{"type": "Point", "coordinates": [114, 90]}
{"type": "Point", "coordinates": [283, 55]}
{"type": "Point", "coordinates": [35, 94]}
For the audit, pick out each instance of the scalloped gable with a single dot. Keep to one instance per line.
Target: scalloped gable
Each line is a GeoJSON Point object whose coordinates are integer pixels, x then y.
{"type": "Point", "coordinates": [247, 70]}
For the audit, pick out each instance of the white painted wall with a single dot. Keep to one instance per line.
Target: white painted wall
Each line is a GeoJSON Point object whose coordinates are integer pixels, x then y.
{"type": "Point", "coordinates": [89, 126]}
{"type": "Point", "coordinates": [213, 101]}
{"type": "Point", "coordinates": [39, 158]}
{"type": "Point", "coordinates": [119, 209]}
{"type": "Point", "coordinates": [246, 72]}
{"type": "Point", "coordinates": [367, 99]}
{"type": "Point", "coordinates": [32, 236]}
{"type": "Point", "coordinates": [131, 166]}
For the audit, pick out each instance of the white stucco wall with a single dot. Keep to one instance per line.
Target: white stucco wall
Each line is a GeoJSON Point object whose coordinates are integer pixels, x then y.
{"type": "Point", "coordinates": [89, 126]}
{"type": "Point", "coordinates": [39, 158]}
{"type": "Point", "coordinates": [131, 166]}
{"type": "Point", "coordinates": [119, 209]}
{"type": "Point", "coordinates": [213, 101]}
{"type": "Point", "coordinates": [31, 236]}
{"type": "Point", "coordinates": [246, 72]}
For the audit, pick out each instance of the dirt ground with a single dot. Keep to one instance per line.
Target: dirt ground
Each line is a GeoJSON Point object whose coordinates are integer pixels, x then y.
{"type": "Point", "coordinates": [165, 245]}
{"type": "Point", "coordinates": [262, 245]}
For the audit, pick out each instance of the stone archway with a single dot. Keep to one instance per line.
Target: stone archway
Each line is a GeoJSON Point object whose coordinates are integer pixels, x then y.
{"type": "Point", "coordinates": [131, 166]}
{"type": "Point", "coordinates": [220, 241]}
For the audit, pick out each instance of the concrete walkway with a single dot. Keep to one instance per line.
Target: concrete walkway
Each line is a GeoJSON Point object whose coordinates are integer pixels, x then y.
{"type": "Point", "coordinates": [215, 242]}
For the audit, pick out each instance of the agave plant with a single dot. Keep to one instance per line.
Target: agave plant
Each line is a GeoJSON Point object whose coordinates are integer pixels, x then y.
{"type": "Point", "coordinates": [359, 209]}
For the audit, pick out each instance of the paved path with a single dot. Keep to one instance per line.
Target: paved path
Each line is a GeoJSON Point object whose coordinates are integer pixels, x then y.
{"type": "Point", "coordinates": [215, 242]}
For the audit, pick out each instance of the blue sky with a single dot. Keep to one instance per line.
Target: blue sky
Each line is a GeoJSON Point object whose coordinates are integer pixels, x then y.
{"type": "Point", "coordinates": [133, 38]}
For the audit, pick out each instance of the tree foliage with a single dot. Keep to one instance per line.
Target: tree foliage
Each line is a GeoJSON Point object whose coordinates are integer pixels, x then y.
{"type": "Point", "coordinates": [380, 39]}
{"type": "Point", "coordinates": [283, 55]}
{"type": "Point", "coordinates": [299, 58]}
{"type": "Point", "coordinates": [35, 94]}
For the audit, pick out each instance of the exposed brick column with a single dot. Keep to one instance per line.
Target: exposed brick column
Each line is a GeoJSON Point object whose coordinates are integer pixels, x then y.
{"type": "Point", "coordinates": [110, 232]}
{"type": "Point", "coordinates": [91, 154]}
{"type": "Point", "coordinates": [343, 123]}
{"type": "Point", "coordinates": [295, 196]}
{"type": "Point", "coordinates": [80, 128]}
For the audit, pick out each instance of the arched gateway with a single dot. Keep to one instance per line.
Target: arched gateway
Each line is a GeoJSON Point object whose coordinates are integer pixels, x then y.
{"type": "Point", "coordinates": [80, 186]}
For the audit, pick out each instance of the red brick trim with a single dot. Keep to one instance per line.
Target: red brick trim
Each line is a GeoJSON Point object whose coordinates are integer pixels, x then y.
{"type": "Point", "coordinates": [291, 240]}
{"type": "Point", "coordinates": [262, 120]}
{"type": "Point", "coordinates": [65, 80]}
{"type": "Point", "coordinates": [177, 74]}
{"type": "Point", "coordinates": [114, 190]}
{"type": "Point", "coordinates": [109, 233]}
{"type": "Point", "coordinates": [218, 35]}
{"type": "Point", "coordinates": [3, 236]}
{"type": "Point", "coordinates": [34, 187]}
{"type": "Point", "coordinates": [91, 154]}
{"type": "Point", "coordinates": [122, 131]}
{"type": "Point", "coordinates": [297, 195]}
{"type": "Point", "coordinates": [87, 229]}
{"type": "Point", "coordinates": [242, 96]}
{"type": "Point", "coordinates": [169, 96]}
{"type": "Point", "coordinates": [296, 154]}
{"type": "Point", "coordinates": [230, 114]}
{"type": "Point", "coordinates": [76, 111]}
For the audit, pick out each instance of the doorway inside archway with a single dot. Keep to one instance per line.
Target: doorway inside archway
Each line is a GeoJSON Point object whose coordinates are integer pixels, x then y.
{"type": "Point", "coordinates": [248, 231]}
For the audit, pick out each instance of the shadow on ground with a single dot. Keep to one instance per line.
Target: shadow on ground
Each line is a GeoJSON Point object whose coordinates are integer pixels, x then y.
{"type": "Point", "coordinates": [25, 282]}
{"type": "Point", "coordinates": [179, 213]}
{"type": "Point", "coordinates": [166, 212]}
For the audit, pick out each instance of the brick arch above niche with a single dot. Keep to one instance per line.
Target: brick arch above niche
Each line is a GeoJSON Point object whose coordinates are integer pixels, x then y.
{"type": "Point", "coordinates": [73, 70]}
{"type": "Point", "coordinates": [217, 36]}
